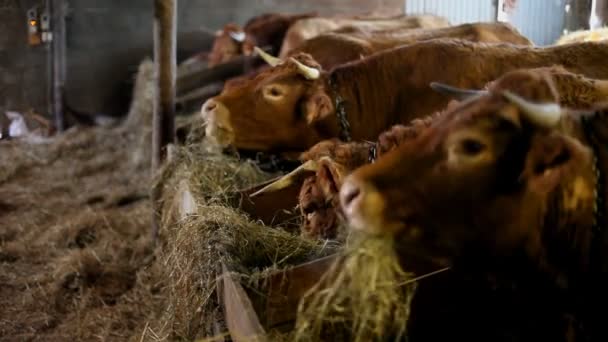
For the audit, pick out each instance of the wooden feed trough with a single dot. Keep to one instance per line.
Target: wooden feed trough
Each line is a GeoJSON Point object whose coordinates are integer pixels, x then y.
{"type": "Point", "coordinates": [250, 313]}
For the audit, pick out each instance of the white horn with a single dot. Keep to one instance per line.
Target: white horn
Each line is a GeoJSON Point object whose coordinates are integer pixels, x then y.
{"type": "Point", "coordinates": [288, 179]}
{"type": "Point", "coordinates": [271, 60]}
{"type": "Point", "coordinates": [542, 114]}
{"type": "Point", "coordinates": [306, 71]}
{"type": "Point", "coordinates": [238, 36]}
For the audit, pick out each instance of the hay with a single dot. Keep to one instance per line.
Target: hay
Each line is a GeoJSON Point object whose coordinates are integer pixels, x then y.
{"type": "Point", "coordinates": [363, 297]}
{"type": "Point", "coordinates": [596, 35]}
{"type": "Point", "coordinates": [215, 233]}
{"type": "Point", "coordinates": [75, 257]}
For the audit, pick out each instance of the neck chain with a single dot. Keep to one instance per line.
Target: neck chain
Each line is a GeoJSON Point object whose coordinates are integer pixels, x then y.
{"type": "Point", "coordinates": [340, 111]}
{"type": "Point", "coordinates": [598, 206]}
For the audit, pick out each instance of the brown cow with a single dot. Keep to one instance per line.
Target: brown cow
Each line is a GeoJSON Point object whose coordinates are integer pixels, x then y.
{"type": "Point", "coordinates": [318, 200]}
{"type": "Point", "coordinates": [296, 104]}
{"type": "Point", "coordinates": [227, 45]}
{"type": "Point", "coordinates": [509, 181]}
{"type": "Point", "coordinates": [306, 29]}
{"type": "Point", "coordinates": [348, 44]}
{"type": "Point", "coordinates": [266, 30]}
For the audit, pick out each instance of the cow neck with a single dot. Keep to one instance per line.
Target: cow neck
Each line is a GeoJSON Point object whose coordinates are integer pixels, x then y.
{"type": "Point", "coordinates": [592, 124]}
{"type": "Point", "coordinates": [340, 109]}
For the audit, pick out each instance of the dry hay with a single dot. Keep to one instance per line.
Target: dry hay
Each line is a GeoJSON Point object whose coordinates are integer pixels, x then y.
{"type": "Point", "coordinates": [216, 233]}
{"type": "Point", "coordinates": [74, 242]}
{"type": "Point", "coordinates": [596, 35]}
{"type": "Point", "coordinates": [364, 296]}
{"type": "Point", "coordinates": [75, 257]}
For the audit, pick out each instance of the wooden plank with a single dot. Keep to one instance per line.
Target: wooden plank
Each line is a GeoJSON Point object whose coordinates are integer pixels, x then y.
{"type": "Point", "coordinates": [272, 208]}
{"type": "Point", "coordinates": [196, 78]}
{"type": "Point", "coordinates": [286, 288]}
{"type": "Point", "coordinates": [241, 318]}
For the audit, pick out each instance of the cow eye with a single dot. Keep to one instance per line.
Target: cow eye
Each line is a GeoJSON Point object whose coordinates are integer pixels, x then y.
{"type": "Point", "coordinates": [471, 147]}
{"type": "Point", "coordinates": [273, 92]}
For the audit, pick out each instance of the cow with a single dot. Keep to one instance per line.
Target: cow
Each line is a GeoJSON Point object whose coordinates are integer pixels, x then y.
{"type": "Point", "coordinates": [348, 44]}
{"type": "Point", "coordinates": [508, 182]}
{"type": "Point", "coordinates": [318, 198]}
{"type": "Point", "coordinates": [266, 30]}
{"type": "Point", "coordinates": [306, 29]}
{"type": "Point", "coordinates": [269, 30]}
{"type": "Point", "coordinates": [296, 104]}
{"type": "Point", "coordinates": [227, 45]}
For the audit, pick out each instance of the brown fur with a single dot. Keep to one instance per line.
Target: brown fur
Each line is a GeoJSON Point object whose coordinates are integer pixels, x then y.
{"type": "Point", "coordinates": [310, 28]}
{"type": "Point", "coordinates": [352, 43]}
{"type": "Point", "coordinates": [522, 205]}
{"type": "Point", "coordinates": [572, 90]}
{"type": "Point", "coordinates": [266, 30]}
{"type": "Point", "coordinates": [269, 30]}
{"type": "Point", "coordinates": [388, 88]}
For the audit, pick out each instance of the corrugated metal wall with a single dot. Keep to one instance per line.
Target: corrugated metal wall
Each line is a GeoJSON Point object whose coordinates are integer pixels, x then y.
{"type": "Point", "coordinates": [542, 21]}
{"type": "Point", "coordinates": [457, 11]}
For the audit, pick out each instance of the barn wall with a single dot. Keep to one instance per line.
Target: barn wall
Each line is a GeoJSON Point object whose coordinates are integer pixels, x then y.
{"type": "Point", "coordinates": [456, 11]}
{"type": "Point", "coordinates": [22, 68]}
{"type": "Point", "coordinates": [107, 39]}
{"type": "Point", "coordinates": [541, 21]}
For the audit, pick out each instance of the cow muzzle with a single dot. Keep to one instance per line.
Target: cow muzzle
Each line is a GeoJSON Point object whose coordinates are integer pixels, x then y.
{"type": "Point", "coordinates": [364, 207]}
{"type": "Point", "coordinates": [218, 128]}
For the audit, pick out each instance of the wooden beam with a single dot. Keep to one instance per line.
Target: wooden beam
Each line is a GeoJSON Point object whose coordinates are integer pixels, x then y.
{"type": "Point", "coordinates": [198, 77]}
{"type": "Point", "coordinates": [194, 99]}
{"type": "Point", "coordinates": [165, 40]}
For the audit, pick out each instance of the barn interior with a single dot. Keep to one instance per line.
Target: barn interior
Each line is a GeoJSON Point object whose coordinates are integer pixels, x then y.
{"type": "Point", "coordinates": [242, 170]}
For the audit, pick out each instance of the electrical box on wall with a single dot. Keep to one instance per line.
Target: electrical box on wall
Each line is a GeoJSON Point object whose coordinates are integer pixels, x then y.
{"type": "Point", "coordinates": [45, 26]}
{"type": "Point", "coordinates": [39, 26]}
{"type": "Point", "coordinates": [33, 29]}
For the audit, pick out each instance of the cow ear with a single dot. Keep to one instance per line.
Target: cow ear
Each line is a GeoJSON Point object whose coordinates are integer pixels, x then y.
{"type": "Point", "coordinates": [318, 107]}
{"type": "Point", "coordinates": [549, 159]}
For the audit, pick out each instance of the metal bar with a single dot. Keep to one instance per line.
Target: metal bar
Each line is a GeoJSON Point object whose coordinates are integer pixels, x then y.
{"type": "Point", "coordinates": [59, 40]}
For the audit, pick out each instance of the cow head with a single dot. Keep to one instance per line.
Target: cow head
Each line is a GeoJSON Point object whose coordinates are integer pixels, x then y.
{"type": "Point", "coordinates": [496, 175]}
{"type": "Point", "coordinates": [284, 108]}
{"type": "Point", "coordinates": [227, 44]}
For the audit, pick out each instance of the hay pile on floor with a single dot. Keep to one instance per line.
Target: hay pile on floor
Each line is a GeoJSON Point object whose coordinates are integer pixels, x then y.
{"type": "Point", "coordinates": [365, 296]}
{"type": "Point", "coordinates": [197, 245]}
{"type": "Point", "coordinates": [75, 256]}
{"type": "Point", "coordinates": [74, 250]}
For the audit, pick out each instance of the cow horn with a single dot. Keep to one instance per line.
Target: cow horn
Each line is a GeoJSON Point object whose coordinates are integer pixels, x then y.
{"type": "Point", "coordinates": [457, 93]}
{"type": "Point", "coordinates": [306, 71]}
{"type": "Point", "coordinates": [288, 179]}
{"type": "Point", "coordinates": [271, 60]}
{"type": "Point", "coordinates": [237, 36]}
{"type": "Point", "coordinates": [542, 114]}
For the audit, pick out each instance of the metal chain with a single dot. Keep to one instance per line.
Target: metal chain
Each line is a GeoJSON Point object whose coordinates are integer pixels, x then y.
{"type": "Point", "coordinates": [372, 153]}
{"type": "Point", "coordinates": [340, 112]}
{"type": "Point", "coordinates": [598, 207]}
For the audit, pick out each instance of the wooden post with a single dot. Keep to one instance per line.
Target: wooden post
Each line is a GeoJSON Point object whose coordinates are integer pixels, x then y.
{"type": "Point", "coordinates": [163, 118]}
{"type": "Point", "coordinates": [165, 39]}
{"type": "Point", "coordinates": [59, 39]}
